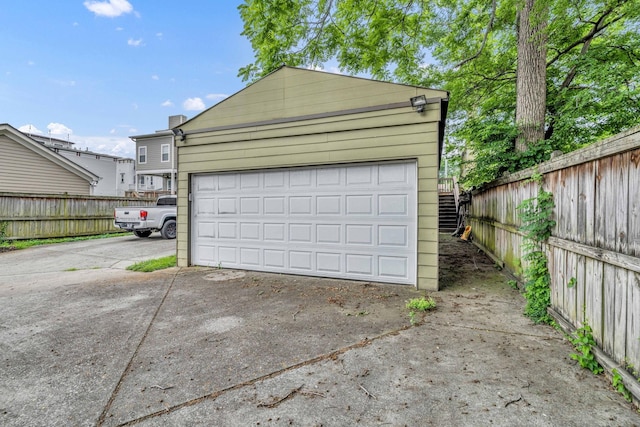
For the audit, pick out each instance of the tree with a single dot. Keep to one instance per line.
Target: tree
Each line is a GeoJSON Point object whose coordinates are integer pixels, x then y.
{"type": "Point", "coordinates": [584, 57]}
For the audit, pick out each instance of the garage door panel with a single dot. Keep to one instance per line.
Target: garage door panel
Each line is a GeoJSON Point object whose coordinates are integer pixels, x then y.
{"type": "Point", "coordinates": [274, 232]}
{"type": "Point", "coordinates": [360, 205]}
{"type": "Point", "coordinates": [228, 230]}
{"type": "Point", "coordinates": [393, 204]}
{"type": "Point", "coordinates": [356, 222]}
{"type": "Point", "coordinates": [329, 233]}
{"type": "Point", "coordinates": [274, 205]}
{"type": "Point", "coordinates": [393, 174]}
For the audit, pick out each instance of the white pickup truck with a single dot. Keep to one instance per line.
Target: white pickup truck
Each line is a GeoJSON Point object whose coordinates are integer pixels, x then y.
{"type": "Point", "coordinates": [143, 220]}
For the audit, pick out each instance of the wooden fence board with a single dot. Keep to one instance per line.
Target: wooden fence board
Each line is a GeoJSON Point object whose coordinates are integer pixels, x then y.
{"type": "Point", "coordinates": [594, 290]}
{"type": "Point", "coordinates": [621, 168]}
{"type": "Point", "coordinates": [581, 286]}
{"type": "Point", "coordinates": [633, 321]}
{"type": "Point", "coordinates": [634, 204]}
{"type": "Point", "coordinates": [609, 330]}
{"type": "Point", "coordinates": [620, 314]}
{"type": "Point", "coordinates": [570, 291]}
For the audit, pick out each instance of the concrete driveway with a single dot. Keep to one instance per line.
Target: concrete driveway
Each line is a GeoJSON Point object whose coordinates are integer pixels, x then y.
{"type": "Point", "coordinates": [200, 346]}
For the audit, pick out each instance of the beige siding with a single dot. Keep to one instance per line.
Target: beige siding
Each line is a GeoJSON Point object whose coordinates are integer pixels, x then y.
{"type": "Point", "coordinates": [24, 170]}
{"type": "Point", "coordinates": [235, 135]}
{"type": "Point", "coordinates": [292, 92]}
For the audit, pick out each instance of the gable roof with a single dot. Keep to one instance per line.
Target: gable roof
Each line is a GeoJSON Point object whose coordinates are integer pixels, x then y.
{"type": "Point", "coordinates": [299, 93]}
{"type": "Point", "coordinates": [18, 137]}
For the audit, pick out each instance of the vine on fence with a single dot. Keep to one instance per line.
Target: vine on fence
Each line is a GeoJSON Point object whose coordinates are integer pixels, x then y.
{"type": "Point", "coordinates": [536, 214]}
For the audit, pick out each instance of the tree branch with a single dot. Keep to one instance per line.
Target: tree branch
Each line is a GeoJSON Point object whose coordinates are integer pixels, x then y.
{"type": "Point", "coordinates": [598, 26]}
{"type": "Point", "coordinates": [484, 39]}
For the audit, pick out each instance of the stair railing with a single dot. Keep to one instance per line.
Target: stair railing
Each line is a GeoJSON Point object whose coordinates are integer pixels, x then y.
{"type": "Point", "coordinates": [456, 192]}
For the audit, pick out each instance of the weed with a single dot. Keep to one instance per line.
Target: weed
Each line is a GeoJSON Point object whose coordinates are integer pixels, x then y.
{"type": "Point", "coordinates": [583, 342]}
{"type": "Point", "coordinates": [154, 264]}
{"type": "Point", "coordinates": [572, 282]}
{"type": "Point", "coordinates": [513, 284]}
{"type": "Point", "coordinates": [536, 214]}
{"type": "Point", "coordinates": [3, 231]}
{"type": "Point", "coordinates": [618, 385]}
{"type": "Point", "coordinates": [71, 269]}
{"type": "Point", "coordinates": [422, 304]}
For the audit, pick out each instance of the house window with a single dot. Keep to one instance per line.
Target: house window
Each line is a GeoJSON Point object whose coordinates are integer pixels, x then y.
{"type": "Point", "coordinates": [121, 178]}
{"type": "Point", "coordinates": [151, 181]}
{"type": "Point", "coordinates": [142, 155]}
{"type": "Point", "coordinates": [165, 152]}
{"type": "Point", "coordinates": [141, 180]}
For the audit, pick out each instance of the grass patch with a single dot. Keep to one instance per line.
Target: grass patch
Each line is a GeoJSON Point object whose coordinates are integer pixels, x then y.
{"type": "Point", "coordinates": [23, 244]}
{"type": "Point", "coordinates": [154, 264]}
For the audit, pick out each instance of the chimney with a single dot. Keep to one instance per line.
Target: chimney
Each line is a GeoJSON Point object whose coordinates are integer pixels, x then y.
{"type": "Point", "coordinates": [176, 120]}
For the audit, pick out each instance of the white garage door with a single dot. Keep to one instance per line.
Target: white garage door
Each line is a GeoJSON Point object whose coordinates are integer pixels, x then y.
{"type": "Point", "coordinates": [355, 221]}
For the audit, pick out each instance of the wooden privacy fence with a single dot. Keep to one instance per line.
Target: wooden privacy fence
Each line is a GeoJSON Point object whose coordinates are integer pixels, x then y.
{"type": "Point", "coordinates": [596, 239]}
{"type": "Point", "coordinates": [29, 216]}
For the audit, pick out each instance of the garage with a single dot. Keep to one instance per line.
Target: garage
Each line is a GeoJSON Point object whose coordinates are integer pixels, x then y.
{"type": "Point", "coordinates": [312, 173]}
{"type": "Point", "coordinates": [351, 221]}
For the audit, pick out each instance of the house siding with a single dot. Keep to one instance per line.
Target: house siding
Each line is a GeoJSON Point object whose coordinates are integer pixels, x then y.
{"type": "Point", "coordinates": [23, 170]}
{"type": "Point", "coordinates": [154, 154]}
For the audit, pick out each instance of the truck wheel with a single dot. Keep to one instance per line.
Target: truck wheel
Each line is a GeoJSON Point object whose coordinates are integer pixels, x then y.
{"type": "Point", "coordinates": [169, 229]}
{"type": "Point", "coordinates": [145, 233]}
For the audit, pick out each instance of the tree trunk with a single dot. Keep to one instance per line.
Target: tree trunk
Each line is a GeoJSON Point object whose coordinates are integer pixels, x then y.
{"type": "Point", "coordinates": [531, 88]}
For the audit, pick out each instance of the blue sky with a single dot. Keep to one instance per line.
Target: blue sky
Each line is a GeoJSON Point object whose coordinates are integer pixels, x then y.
{"type": "Point", "coordinates": [97, 72]}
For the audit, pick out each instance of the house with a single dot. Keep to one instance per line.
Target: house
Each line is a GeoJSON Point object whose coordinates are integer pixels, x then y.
{"type": "Point", "coordinates": [156, 166]}
{"type": "Point", "coordinates": [312, 173]}
{"type": "Point", "coordinates": [27, 166]}
{"type": "Point", "coordinates": [117, 174]}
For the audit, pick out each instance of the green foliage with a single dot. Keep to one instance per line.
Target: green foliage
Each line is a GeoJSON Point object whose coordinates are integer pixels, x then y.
{"type": "Point", "coordinates": [572, 282]}
{"type": "Point", "coordinates": [618, 385]}
{"type": "Point", "coordinates": [583, 342]}
{"type": "Point", "coordinates": [537, 224]}
{"type": "Point", "coordinates": [154, 264]}
{"type": "Point", "coordinates": [513, 284]}
{"type": "Point", "coordinates": [3, 231]}
{"type": "Point", "coordinates": [469, 48]}
{"type": "Point", "coordinates": [537, 287]}
{"type": "Point", "coordinates": [536, 215]}
{"type": "Point", "coordinates": [416, 305]}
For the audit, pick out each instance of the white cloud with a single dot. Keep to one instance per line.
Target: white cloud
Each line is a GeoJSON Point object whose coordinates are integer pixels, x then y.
{"type": "Point", "coordinates": [75, 24]}
{"type": "Point", "coordinates": [193, 104]}
{"type": "Point", "coordinates": [110, 9]}
{"type": "Point", "coordinates": [167, 103]}
{"type": "Point", "coordinates": [58, 129]}
{"type": "Point", "coordinates": [30, 129]}
{"type": "Point", "coordinates": [31, 63]}
{"type": "Point", "coordinates": [159, 35]}
{"type": "Point", "coordinates": [135, 43]}
{"type": "Point", "coordinates": [217, 97]}
{"type": "Point", "coordinates": [155, 77]}
{"type": "Point", "coordinates": [119, 28]}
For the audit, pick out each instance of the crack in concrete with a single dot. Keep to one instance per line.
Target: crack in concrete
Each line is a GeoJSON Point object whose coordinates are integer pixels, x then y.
{"type": "Point", "coordinates": [214, 395]}
{"type": "Point", "coordinates": [116, 390]}
{"type": "Point", "coordinates": [475, 328]}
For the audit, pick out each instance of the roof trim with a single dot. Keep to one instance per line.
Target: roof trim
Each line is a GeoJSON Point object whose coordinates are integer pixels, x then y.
{"type": "Point", "coordinates": [310, 116]}
{"type": "Point", "coordinates": [33, 145]}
